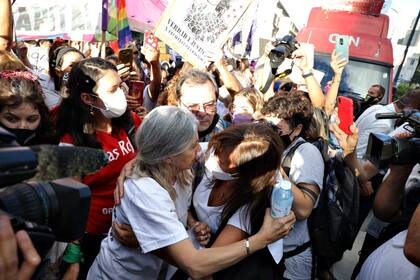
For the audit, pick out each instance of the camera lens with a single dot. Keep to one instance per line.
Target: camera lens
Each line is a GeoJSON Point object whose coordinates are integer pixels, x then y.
{"type": "Point", "coordinates": [35, 202]}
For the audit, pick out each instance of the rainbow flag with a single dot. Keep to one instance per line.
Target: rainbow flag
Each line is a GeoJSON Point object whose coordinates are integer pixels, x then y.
{"type": "Point", "coordinates": [124, 33]}
{"type": "Point", "coordinates": [117, 27]}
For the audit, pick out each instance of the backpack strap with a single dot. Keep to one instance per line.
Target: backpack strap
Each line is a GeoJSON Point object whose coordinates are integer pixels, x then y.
{"type": "Point", "coordinates": [286, 162]}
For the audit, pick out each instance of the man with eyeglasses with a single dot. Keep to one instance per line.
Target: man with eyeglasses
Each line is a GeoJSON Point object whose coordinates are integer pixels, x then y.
{"type": "Point", "coordinates": [198, 92]}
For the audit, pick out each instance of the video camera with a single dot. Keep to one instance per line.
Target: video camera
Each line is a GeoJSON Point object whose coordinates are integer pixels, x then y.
{"type": "Point", "coordinates": [383, 149]}
{"type": "Point", "coordinates": [283, 48]}
{"type": "Point", "coordinates": [49, 211]}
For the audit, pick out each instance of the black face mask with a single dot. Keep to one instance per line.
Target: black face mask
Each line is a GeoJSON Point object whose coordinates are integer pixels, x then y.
{"type": "Point", "coordinates": [23, 136]}
{"type": "Point", "coordinates": [286, 139]}
{"type": "Point", "coordinates": [370, 100]}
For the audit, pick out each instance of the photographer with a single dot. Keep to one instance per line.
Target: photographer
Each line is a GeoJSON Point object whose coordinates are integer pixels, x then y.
{"type": "Point", "coordinates": [9, 244]}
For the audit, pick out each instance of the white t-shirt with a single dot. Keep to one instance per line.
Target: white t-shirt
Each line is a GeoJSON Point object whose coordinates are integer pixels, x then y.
{"type": "Point", "coordinates": [207, 214]}
{"type": "Point", "coordinates": [367, 124]}
{"type": "Point", "coordinates": [307, 166]}
{"type": "Point", "coordinates": [389, 262]}
{"type": "Point", "coordinates": [152, 214]}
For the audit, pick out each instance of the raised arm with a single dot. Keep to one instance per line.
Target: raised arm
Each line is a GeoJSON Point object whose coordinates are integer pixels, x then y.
{"type": "Point", "coordinates": [152, 56]}
{"type": "Point", "coordinates": [337, 65]}
{"type": "Point", "coordinates": [6, 24]}
{"type": "Point", "coordinates": [314, 89]}
{"type": "Point", "coordinates": [229, 80]}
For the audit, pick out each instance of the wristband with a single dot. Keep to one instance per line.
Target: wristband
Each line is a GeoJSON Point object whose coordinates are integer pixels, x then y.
{"type": "Point", "coordinates": [247, 247]}
{"type": "Point", "coordinates": [307, 74]}
{"type": "Point", "coordinates": [73, 254]}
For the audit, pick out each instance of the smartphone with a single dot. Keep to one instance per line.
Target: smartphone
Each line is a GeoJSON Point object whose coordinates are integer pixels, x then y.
{"type": "Point", "coordinates": [125, 56]}
{"type": "Point", "coordinates": [151, 40]}
{"type": "Point", "coordinates": [136, 89]}
{"type": "Point", "coordinates": [342, 46]}
{"type": "Point", "coordinates": [345, 114]}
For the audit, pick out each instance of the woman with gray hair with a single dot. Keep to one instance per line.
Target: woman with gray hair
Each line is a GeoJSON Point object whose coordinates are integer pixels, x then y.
{"type": "Point", "coordinates": [169, 145]}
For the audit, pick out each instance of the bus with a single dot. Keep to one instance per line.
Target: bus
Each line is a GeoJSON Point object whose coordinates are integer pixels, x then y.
{"type": "Point", "coordinates": [370, 51]}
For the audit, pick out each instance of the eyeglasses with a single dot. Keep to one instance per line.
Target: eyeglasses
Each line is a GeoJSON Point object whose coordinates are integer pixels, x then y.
{"type": "Point", "coordinates": [209, 107]}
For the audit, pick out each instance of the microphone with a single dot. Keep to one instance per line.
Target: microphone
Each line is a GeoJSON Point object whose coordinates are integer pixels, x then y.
{"type": "Point", "coordinates": [48, 162]}
{"type": "Point", "coordinates": [380, 116]}
{"type": "Point", "coordinates": [56, 162]}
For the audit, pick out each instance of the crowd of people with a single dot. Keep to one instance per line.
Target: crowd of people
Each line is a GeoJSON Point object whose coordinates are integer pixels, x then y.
{"type": "Point", "coordinates": [192, 160]}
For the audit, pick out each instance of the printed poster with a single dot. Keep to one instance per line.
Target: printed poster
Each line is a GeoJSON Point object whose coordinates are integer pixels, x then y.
{"type": "Point", "coordinates": [194, 27]}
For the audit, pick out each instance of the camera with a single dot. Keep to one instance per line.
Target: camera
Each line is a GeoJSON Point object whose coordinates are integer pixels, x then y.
{"type": "Point", "coordinates": [383, 149]}
{"type": "Point", "coordinates": [49, 211]}
{"type": "Point", "coordinates": [283, 48]}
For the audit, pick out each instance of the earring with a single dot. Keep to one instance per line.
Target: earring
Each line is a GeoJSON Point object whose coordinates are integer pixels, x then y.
{"type": "Point", "coordinates": [88, 128]}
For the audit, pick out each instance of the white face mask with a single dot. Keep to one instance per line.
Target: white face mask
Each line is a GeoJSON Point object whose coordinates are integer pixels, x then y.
{"type": "Point", "coordinates": [115, 104]}
{"type": "Point", "coordinates": [212, 165]}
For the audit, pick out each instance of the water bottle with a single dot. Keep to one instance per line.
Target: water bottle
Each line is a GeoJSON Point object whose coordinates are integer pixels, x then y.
{"type": "Point", "coordinates": [281, 198]}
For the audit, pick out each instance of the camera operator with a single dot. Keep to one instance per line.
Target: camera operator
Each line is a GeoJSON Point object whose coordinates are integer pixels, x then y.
{"type": "Point", "coordinates": [9, 245]}
{"type": "Point", "coordinates": [397, 202]}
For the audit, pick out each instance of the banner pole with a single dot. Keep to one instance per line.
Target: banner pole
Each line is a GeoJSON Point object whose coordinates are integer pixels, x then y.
{"type": "Point", "coordinates": [104, 26]}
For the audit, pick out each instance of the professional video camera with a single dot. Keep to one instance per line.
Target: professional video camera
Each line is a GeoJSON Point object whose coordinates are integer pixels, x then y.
{"type": "Point", "coordinates": [49, 211]}
{"type": "Point", "coordinates": [383, 149]}
{"type": "Point", "coordinates": [283, 48]}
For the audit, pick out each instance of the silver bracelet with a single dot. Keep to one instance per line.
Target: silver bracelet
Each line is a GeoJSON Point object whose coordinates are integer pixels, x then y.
{"type": "Point", "coordinates": [248, 248]}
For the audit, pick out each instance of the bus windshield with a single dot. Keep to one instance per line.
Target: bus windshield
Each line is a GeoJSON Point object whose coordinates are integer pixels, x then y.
{"type": "Point", "coordinates": [357, 77]}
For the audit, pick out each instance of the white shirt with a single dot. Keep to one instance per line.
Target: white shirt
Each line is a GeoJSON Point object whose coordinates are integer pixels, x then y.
{"type": "Point", "coordinates": [152, 214]}
{"type": "Point", "coordinates": [207, 214]}
{"type": "Point", "coordinates": [367, 124]}
{"type": "Point", "coordinates": [388, 262]}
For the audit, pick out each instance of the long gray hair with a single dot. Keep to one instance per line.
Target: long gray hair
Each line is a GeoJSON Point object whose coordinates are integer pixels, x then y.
{"type": "Point", "coordinates": [167, 131]}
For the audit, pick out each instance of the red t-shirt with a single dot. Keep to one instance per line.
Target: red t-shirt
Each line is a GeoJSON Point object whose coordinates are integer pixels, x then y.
{"type": "Point", "coordinates": [102, 183]}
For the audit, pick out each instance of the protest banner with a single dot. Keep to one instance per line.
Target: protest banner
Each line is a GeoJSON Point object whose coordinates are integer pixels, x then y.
{"type": "Point", "coordinates": [38, 57]}
{"type": "Point", "coordinates": [77, 19]}
{"type": "Point", "coordinates": [193, 28]}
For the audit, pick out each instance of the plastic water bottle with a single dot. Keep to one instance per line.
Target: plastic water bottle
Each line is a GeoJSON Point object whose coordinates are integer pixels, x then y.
{"type": "Point", "coordinates": [281, 198]}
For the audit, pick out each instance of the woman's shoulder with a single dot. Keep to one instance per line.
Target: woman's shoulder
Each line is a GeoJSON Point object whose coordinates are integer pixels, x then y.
{"type": "Point", "coordinates": [143, 185]}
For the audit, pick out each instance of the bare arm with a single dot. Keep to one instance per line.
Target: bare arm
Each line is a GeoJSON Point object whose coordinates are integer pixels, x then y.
{"type": "Point", "coordinates": [200, 263]}
{"type": "Point", "coordinates": [411, 246]}
{"type": "Point", "coordinates": [229, 80]}
{"type": "Point", "coordinates": [6, 24]}
{"type": "Point", "coordinates": [314, 89]}
{"type": "Point", "coordinates": [152, 56]}
{"type": "Point", "coordinates": [391, 193]}
{"type": "Point", "coordinates": [302, 201]}
{"type": "Point", "coordinates": [337, 65]}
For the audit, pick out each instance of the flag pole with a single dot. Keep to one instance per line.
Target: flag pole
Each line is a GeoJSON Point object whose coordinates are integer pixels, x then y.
{"type": "Point", "coordinates": [104, 26]}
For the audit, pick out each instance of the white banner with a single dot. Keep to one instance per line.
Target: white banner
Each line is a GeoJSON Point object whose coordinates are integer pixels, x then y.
{"type": "Point", "coordinates": [38, 57]}
{"type": "Point", "coordinates": [194, 27]}
{"type": "Point", "coordinates": [76, 19]}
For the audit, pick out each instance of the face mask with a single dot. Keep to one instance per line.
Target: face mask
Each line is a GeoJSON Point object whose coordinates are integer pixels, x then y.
{"type": "Point", "coordinates": [371, 100]}
{"type": "Point", "coordinates": [241, 118]}
{"type": "Point", "coordinates": [212, 165]}
{"type": "Point", "coordinates": [286, 139]}
{"type": "Point", "coordinates": [115, 104]}
{"type": "Point", "coordinates": [23, 136]}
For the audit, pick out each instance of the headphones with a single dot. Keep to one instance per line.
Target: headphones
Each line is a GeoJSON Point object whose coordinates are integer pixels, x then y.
{"type": "Point", "coordinates": [60, 52]}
